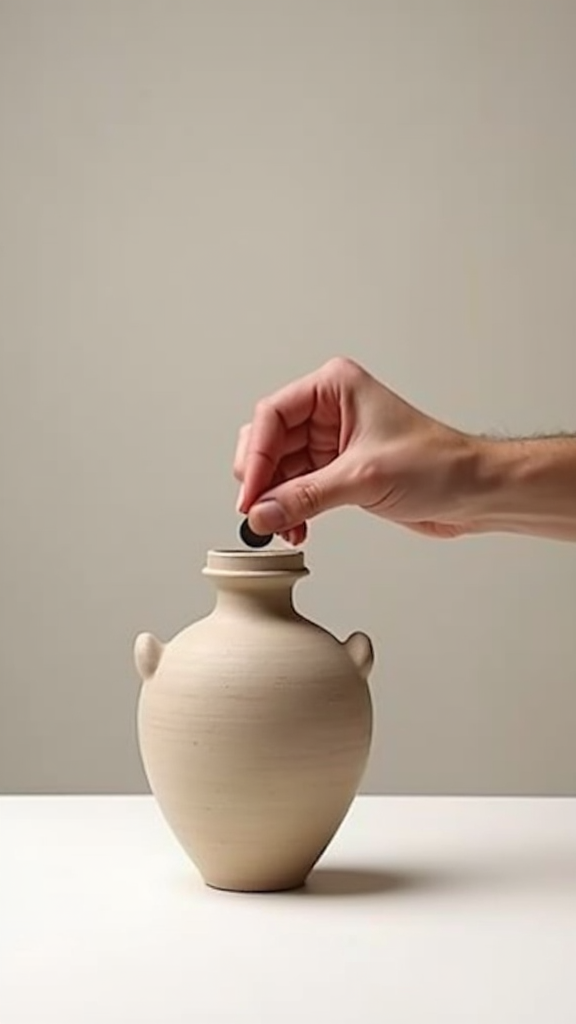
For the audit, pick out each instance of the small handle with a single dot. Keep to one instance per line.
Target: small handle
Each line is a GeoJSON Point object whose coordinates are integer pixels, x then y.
{"type": "Point", "coordinates": [360, 649]}
{"type": "Point", "coordinates": [147, 653]}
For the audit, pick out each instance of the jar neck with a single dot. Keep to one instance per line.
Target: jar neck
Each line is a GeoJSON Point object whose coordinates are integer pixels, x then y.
{"type": "Point", "coordinates": [255, 583]}
{"type": "Point", "coordinates": [270, 598]}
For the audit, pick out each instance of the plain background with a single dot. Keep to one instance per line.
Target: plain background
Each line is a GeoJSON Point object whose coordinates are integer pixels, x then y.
{"type": "Point", "coordinates": [202, 200]}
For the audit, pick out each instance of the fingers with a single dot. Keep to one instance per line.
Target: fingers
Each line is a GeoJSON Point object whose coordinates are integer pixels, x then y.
{"type": "Point", "coordinates": [297, 464]}
{"type": "Point", "coordinates": [293, 502]}
{"type": "Point", "coordinates": [296, 536]}
{"type": "Point", "coordinates": [295, 440]}
{"type": "Point", "coordinates": [282, 423]}
{"type": "Point", "coordinates": [273, 434]}
{"type": "Point", "coordinates": [294, 465]}
{"type": "Point", "coordinates": [293, 458]}
{"type": "Point", "coordinates": [241, 449]}
{"type": "Point", "coordinates": [290, 467]}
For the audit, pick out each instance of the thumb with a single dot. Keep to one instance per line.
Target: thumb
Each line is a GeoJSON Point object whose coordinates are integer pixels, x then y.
{"type": "Point", "coordinates": [295, 501]}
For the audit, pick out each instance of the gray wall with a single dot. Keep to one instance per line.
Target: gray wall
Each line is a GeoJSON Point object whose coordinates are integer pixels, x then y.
{"type": "Point", "coordinates": [200, 201]}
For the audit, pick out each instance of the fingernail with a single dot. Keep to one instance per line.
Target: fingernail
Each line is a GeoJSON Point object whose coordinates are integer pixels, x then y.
{"type": "Point", "coordinates": [240, 500]}
{"type": "Point", "coordinates": [268, 516]}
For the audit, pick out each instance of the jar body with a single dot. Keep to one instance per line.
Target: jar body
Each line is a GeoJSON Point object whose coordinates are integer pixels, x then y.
{"type": "Point", "coordinates": [254, 731]}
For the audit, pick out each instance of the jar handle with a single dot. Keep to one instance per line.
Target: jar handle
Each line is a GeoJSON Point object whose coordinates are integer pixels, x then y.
{"type": "Point", "coordinates": [147, 654]}
{"type": "Point", "coordinates": [361, 651]}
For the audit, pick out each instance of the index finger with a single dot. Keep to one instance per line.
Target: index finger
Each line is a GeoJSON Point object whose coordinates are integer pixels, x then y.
{"type": "Point", "coordinates": [274, 418]}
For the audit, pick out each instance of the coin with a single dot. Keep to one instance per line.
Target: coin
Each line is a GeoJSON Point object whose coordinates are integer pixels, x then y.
{"type": "Point", "coordinates": [251, 539]}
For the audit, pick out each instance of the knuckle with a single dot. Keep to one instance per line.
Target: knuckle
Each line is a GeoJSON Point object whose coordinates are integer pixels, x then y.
{"type": "Point", "coordinates": [370, 481]}
{"type": "Point", "coordinates": [343, 368]}
{"type": "Point", "coordinates": [308, 498]}
{"type": "Point", "coordinates": [240, 453]}
{"type": "Point", "coordinates": [263, 407]}
{"type": "Point", "coordinates": [242, 440]}
{"type": "Point", "coordinates": [370, 475]}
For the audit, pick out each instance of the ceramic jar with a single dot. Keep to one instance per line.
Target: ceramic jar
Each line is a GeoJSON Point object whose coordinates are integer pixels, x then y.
{"type": "Point", "coordinates": [254, 726]}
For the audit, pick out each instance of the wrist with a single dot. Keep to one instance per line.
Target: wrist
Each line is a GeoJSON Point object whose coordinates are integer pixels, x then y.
{"type": "Point", "coordinates": [497, 467]}
{"type": "Point", "coordinates": [523, 486]}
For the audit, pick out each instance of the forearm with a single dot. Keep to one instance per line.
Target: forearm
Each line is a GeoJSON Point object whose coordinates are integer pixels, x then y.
{"type": "Point", "coordinates": [525, 486]}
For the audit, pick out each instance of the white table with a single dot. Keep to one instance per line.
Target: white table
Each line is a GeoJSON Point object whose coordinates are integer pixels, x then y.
{"type": "Point", "coordinates": [422, 910]}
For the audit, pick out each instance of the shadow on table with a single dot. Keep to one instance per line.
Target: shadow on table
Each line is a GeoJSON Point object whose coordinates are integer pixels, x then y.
{"type": "Point", "coordinates": [527, 870]}
{"type": "Point", "coordinates": [351, 881]}
{"type": "Point", "coordinates": [357, 881]}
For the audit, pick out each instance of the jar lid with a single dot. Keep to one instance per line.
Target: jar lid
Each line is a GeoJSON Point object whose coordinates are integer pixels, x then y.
{"type": "Point", "coordinates": [261, 563]}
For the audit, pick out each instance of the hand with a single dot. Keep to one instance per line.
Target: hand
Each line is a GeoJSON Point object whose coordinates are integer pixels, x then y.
{"type": "Point", "coordinates": [340, 437]}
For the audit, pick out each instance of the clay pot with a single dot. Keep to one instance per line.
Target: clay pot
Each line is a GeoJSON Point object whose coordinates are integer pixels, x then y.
{"type": "Point", "coordinates": [254, 726]}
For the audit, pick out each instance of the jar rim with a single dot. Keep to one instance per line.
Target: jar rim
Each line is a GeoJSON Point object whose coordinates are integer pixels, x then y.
{"type": "Point", "coordinates": [273, 561]}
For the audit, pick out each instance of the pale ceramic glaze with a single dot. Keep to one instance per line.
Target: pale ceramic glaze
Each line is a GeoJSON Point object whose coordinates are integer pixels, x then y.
{"type": "Point", "coordinates": [254, 726]}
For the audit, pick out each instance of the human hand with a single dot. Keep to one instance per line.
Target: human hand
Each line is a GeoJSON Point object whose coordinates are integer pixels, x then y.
{"type": "Point", "coordinates": [340, 437]}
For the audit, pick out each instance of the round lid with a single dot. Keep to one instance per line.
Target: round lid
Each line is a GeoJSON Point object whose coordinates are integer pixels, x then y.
{"type": "Point", "coordinates": [270, 562]}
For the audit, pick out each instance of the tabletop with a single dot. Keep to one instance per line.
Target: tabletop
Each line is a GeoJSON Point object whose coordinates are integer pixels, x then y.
{"type": "Point", "coordinates": [421, 910]}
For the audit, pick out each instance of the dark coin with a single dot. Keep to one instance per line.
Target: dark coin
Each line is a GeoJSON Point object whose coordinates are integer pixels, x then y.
{"type": "Point", "coordinates": [254, 540]}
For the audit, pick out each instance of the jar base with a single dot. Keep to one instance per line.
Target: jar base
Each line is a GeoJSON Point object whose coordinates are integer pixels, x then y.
{"type": "Point", "coordinates": [287, 885]}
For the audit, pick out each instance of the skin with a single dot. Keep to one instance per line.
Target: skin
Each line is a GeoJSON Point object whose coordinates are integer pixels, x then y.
{"type": "Point", "coordinates": [340, 437]}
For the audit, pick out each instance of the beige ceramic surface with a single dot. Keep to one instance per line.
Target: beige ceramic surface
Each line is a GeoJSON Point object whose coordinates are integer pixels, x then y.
{"type": "Point", "coordinates": [254, 726]}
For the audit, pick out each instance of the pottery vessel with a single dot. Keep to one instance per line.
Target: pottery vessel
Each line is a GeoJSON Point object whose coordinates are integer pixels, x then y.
{"type": "Point", "coordinates": [254, 726]}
